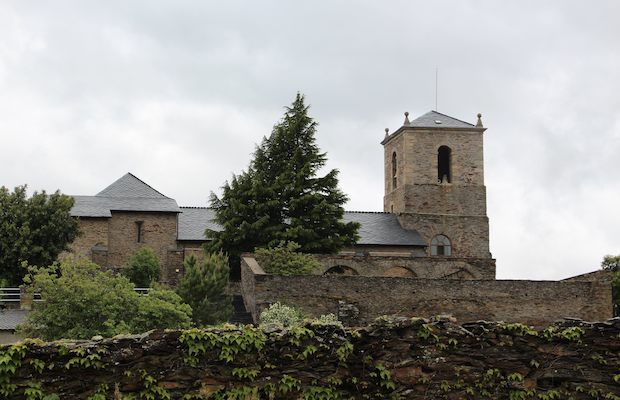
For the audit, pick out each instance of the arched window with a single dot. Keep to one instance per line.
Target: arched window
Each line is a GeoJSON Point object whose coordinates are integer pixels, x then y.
{"type": "Point", "coordinates": [394, 167]}
{"type": "Point", "coordinates": [443, 164]}
{"type": "Point", "coordinates": [440, 246]}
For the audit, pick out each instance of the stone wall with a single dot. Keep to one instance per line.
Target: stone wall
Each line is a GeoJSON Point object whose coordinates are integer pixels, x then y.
{"type": "Point", "coordinates": [93, 231]}
{"type": "Point", "coordinates": [192, 248]}
{"type": "Point", "coordinates": [414, 267]}
{"type": "Point", "coordinates": [159, 231]}
{"type": "Point", "coordinates": [416, 151]}
{"type": "Point", "coordinates": [398, 359]}
{"type": "Point", "coordinates": [532, 302]}
{"type": "Point", "coordinates": [469, 235]}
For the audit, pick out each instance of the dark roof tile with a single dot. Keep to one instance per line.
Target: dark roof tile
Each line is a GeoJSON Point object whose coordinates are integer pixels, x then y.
{"type": "Point", "coordinates": [381, 228]}
{"type": "Point", "coordinates": [193, 221]}
{"type": "Point", "coordinates": [128, 193]}
{"type": "Point", "coordinates": [9, 319]}
{"type": "Point", "coordinates": [434, 119]}
{"type": "Point", "coordinates": [377, 228]}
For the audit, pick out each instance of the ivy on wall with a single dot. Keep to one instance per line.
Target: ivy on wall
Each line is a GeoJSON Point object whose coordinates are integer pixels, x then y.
{"type": "Point", "coordinates": [393, 358]}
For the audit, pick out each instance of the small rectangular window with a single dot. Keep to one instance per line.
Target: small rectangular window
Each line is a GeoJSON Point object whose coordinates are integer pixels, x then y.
{"type": "Point", "coordinates": [139, 236]}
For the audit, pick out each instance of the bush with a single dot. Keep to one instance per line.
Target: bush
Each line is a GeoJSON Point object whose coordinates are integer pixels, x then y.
{"type": "Point", "coordinates": [204, 287]}
{"type": "Point", "coordinates": [284, 260]}
{"type": "Point", "coordinates": [81, 301]}
{"type": "Point", "coordinates": [287, 316]}
{"type": "Point", "coordinates": [281, 315]}
{"type": "Point", "coordinates": [143, 267]}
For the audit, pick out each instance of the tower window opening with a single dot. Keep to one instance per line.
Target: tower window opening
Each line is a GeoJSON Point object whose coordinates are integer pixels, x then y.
{"type": "Point", "coordinates": [441, 246]}
{"type": "Point", "coordinates": [443, 164]}
{"type": "Point", "coordinates": [394, 168]}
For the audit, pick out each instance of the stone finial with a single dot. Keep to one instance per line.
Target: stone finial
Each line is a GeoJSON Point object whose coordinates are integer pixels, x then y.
{"type": "Point", "coordinates": [386, 132]}
{"type": "Point", "coordinates": [479, 123]}
{"type": "Point", "coordinates": [407, 122]}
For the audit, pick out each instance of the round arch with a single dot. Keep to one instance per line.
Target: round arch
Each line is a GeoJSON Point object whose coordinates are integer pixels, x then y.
{"type": "Point", "coordinates": [399, 272]}
{"type": "Point", "coordinates": [340, 270]}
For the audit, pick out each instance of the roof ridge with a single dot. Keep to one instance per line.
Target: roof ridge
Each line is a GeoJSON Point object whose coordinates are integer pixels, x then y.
{"type": "Point", "coordinates": [118, 189]}
{"type": "Point", "coordinates": [129, 173]}
{"type": "Point", "coordinates": [446, 115]}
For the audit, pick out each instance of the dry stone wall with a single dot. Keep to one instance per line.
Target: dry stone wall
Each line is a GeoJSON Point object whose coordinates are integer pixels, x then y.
{"type": "Point", "coordinates": [396, 359]}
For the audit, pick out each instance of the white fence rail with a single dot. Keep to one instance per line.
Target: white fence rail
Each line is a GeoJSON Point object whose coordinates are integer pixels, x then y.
{"type": "Point", "coordinates": [13, 295]}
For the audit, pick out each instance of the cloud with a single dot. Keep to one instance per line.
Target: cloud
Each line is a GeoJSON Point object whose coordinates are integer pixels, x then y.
{"type": "Point", "coordinates": [179, 93]}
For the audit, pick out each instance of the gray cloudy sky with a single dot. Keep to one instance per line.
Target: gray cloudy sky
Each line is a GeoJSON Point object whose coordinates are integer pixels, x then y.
{"type": "Point", "coordinates": [179, 92]}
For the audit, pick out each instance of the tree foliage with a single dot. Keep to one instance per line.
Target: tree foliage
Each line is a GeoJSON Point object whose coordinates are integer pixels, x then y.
{"type": "Point", "coordinates": [80, 301]}
{"type": "Point", "coordinates": [284, 260]}
{"type": "Point", "coordinates": [612, 263]}
{"type": "Point", "coordinates": [281, 198]}
{"type": "Point", "coordinates": [204, 286]}
{"type": "Point", "coordinates": [33, 230]}
{"type": "Point", "coordinates": [143, 267]}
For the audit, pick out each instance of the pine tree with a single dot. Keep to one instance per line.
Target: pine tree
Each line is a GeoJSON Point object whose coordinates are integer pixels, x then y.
{"type": "Point", "coordinates": [204, 286]}
{"type": "Point", "coordinates": [280, 198]}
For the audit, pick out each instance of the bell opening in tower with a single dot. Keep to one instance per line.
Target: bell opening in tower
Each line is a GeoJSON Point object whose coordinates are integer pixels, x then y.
{"type": "Point", "coordinates": [443, 164]}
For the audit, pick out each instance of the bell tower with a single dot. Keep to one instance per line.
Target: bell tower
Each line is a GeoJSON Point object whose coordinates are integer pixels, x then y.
{"type": "Point", "coordinates": [434, 183]}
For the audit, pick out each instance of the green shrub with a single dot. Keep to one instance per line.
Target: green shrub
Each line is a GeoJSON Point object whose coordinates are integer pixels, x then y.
{"type": "Point", "coordinates": [80, 301]}
{"type": "Point", "coordinates": [143, 267]}
{"type": "Point", "coordinates": [281, 315]}
{"type": "Point", "coordinates": [284, 260]}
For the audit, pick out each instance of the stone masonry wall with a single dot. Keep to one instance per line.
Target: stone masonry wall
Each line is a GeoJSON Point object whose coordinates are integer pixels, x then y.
{"type": "Point", "coordinates": [93, 231]}
{"type": "Point", "coordinates": [416, 151]}
{"type": "Point", "coordinates": [531, 302]}
{"type": "Point", "coordinates": [414, 267]}
{"type": "Point", "coordinates": [159, 231]}
{"type": "Point", "coordinates": [468, 235]}
{"type": "Point", "coordinates": [391, 359]}
{"type": "Point", "coordinates": [466, 155]}
{"type": "Point", "coordinates": [445, 199]}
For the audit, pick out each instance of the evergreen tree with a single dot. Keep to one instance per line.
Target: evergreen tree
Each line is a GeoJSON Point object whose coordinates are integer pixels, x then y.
{"type": "Point", "coordinates": [280, 198]}
{"type": "Point", "coordinates": [204, 286]}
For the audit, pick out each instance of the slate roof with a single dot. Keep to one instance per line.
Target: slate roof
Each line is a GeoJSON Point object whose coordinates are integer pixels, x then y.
{"type": "Point", "coordinates": [434, 119]}
{"type": "Point", "coordinates": [193, 221]}
{"type": "Point", "coordinates": [130, 185]}
{"type": "Point", "coordinates": [381, 228]}
{"type": "Point", "coordinates": [9, 319]}
{"type": "Point", "coordinates": [128, 193]}
{"type": "Point", "coordinates": [377, 228]}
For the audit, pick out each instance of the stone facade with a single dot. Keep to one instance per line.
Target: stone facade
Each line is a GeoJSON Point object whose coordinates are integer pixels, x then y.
{"type": "Point", "coordinates": [110, 242]}
{"type": "Point", "coordinates": [159, 231]}
{"type": "Point", "coordinates": [93, 232]}
{"type": "Point", "coordinates": [469, 235]}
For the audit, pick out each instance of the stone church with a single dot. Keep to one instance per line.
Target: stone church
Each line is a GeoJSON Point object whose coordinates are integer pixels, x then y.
{"type": "Point", "coordinates": [434, 212]}
{"type": "Point", "coordinates": [426, 254]}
